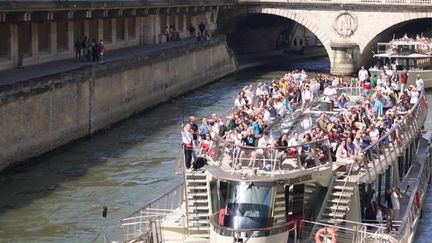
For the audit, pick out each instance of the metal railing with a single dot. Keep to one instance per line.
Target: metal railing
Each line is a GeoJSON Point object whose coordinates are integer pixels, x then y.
{"type": "Point", "coordinates": [354, 2]}
{"type": "Point", "coordinates": [289, 227]}
{"type": "Point", "coordinates": [275, 160]}
{"type": "Point", "coordinates": [390, 146]}
{"type": "Point", "coordinates": [138, 225]}
{"type": "Point", "coordinates": [356, 232]}
{"type": "Point", "coordinates": [410, 219]}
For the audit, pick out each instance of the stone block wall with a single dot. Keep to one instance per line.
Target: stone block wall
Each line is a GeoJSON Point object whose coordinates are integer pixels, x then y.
{"type": "Point", "coordinates": [41, 115]}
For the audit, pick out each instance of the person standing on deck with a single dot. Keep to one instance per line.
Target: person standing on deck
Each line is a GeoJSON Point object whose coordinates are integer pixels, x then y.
{"type": "Point", "coordinates": [363, 74]}
{"type": "Point", "coordinates": [395, 196]}
{"type": "Point", "coordinates": [195, 134]}
{"type": "Point", "coordinates": [419, 83]}
{"type": "Point", "coordinates": [187, 140]}
{"type": "Point", "coordinates": [307, 96]}
{"type": "Point", "coordinates": [403, 81]}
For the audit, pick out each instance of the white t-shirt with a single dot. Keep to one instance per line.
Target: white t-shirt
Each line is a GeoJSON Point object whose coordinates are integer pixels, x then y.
{"type": "Point", "coordinates": [330, 92]}
{"type": "Point", "coordinates": [239, 102]}
{"type": "Point", "coordinates": [363, 74]}
{"type": "Point", "coordinates": [307, 95]}
{"type": "Point", "coordinates": [414, 97]}
{"type": "Point", "coordinates": [395, 201]}
{"type": "Point", "coordinates": [263, 142]}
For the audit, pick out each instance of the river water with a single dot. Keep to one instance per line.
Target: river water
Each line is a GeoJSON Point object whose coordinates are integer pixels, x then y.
{"type": "Point", "coordinates": [59, 197]}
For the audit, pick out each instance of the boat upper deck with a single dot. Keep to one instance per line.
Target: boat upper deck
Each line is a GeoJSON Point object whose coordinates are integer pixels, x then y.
{"type": "Point", "coordinates": [304, 141]}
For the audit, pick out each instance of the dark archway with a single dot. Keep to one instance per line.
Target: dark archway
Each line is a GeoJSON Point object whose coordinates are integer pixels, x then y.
{"type": "Point", "coordinates": [251, 31]}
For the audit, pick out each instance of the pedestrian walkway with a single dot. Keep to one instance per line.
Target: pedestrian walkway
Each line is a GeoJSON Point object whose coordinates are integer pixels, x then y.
{"type": "Point", "coordinates": [49, 68]}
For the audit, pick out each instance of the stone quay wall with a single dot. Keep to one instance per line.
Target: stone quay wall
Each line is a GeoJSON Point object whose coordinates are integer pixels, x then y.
{"type": "Point", "coordinates": [40, 115]}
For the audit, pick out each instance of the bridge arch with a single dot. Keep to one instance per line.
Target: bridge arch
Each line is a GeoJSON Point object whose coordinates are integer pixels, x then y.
{"type": "Point", "coordinates": [286, 13]}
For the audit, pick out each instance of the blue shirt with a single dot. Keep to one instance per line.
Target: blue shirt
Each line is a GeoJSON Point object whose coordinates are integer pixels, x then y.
{"type": "Point", "coordinates": [203, 130]}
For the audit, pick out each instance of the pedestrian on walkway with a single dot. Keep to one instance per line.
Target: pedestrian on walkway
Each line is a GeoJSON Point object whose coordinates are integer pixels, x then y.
{"type": "Point", "coordinates": [202, 28]}
{"type": "Point", "coordinates": [88, 50]}
{"type": "Point", "coordinates": [84, 48]}
{"type": "Point", "coordinates": [191, 30]}
{"type": "Point", "coordinates": [101, 51]}
{"type": "Point", "coordinates": [95, 53]}
{"type": "Point", "coordinates": [78, 50]}
{"type": "Point", "coordinates": [166, 33]}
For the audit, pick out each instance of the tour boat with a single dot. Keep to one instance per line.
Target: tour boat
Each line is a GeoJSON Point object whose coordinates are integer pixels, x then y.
{"type": "Point", "coordinates": [413, 54]}
{"type": "Point", "coordinates": [290, 194]}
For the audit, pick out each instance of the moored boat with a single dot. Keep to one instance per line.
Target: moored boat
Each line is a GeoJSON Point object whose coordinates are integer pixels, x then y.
{"type": "Point", "coordinates": [412, 54]}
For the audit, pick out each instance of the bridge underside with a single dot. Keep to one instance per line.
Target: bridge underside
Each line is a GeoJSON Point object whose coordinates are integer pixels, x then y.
{"type": "Point", "coordinates": [348, 33]}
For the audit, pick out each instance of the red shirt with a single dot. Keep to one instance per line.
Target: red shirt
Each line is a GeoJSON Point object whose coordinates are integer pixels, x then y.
{"type": "Point", "coordinates": [403, 78]}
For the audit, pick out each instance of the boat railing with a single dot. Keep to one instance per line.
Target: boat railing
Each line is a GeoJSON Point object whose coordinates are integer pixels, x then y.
{"type": "Point", "coordinates": [412, 214]}
{"type": "Point", "coordinates": [272, 160]}
{"type": "Point", "coordinates": [353, 231]}
{"type": "Point", "coordinates": [144, 223]}
{"type": "Point", "coordinates": [389, 146]}
{"type": "Point", "coordinates": [287, 227]}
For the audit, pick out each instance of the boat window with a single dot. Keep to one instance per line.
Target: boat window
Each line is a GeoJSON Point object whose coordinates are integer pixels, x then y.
{"type": "Point", "coordinates": [246, 206]}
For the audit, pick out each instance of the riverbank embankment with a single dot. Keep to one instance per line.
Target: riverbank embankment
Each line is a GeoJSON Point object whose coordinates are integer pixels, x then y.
{"type": "Point", "coordinates": [42, 114]}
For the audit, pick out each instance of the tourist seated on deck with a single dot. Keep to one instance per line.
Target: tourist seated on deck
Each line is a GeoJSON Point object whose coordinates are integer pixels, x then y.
{"type": "Point", "coordinates": [344, 159]}
{"type": "Point", "coordinates": [263, 150]}
{"type": "Point", "coordinates": [207, 147]}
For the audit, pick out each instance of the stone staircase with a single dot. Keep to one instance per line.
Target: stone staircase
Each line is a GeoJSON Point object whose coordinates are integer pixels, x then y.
{"type": "Point", "coordinates": [337, 204]}
{"type": "Point", "coordinates": [197, 204]}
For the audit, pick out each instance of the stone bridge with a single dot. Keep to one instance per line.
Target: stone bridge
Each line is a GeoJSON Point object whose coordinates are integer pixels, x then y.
{"type": "Point", "coordinates": [44, 30]}
{"type": "Point", "coordinates": [347, 28]}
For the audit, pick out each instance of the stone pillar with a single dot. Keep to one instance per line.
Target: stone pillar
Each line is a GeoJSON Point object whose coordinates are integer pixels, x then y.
{"type": "Point", "coordinates": [126, 29]}
{"type": "Point", "coordinates": [157, 29]}
{"type": "Point", "coordinates": [176, 22]}
{"type": "Point", "coordinates": [71, 41]}
{"type": "Point", "coordinates": [148, 30]}
{"type": "Point", "coordinates": [100, 35]}
{"type": "Point", "coordinates": [185, 24]}
{"type": "Point", "coordinates": [114, 31]}
{"type": "Point", "coordinates": [87, 28]}
{"type": "Point", "coordinates": [53, 37]}
{"type": "Point", "coordinates": [35, 42]}
{"type": "Point", "coordinates": [138, 24]}
{"type": "Point", "coordinates": [343, 57]}
{"type": "Point", "coordinates": [14, 43]}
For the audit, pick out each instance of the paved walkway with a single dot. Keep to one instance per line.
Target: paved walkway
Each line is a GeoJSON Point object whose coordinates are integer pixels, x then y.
{"type": "Point", "coordinates": [39, 70]}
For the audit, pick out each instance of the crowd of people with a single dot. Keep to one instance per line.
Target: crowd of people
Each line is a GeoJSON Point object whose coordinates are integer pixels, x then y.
{"type": "Point", "coordinates": [88, 50]}
{"type": "Point", "coordinates": [422, 44]}
{"type": "Point", "coordinates": [348, 133]}
{"type": "Point", "coordinates": [202, 33]}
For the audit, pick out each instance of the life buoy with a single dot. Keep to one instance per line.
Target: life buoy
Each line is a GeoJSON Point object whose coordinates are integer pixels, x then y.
{"type": "Point", "coordinates": [325, 231]}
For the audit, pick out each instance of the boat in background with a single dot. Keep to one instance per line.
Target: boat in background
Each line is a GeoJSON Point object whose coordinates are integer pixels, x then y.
{"type": "Point", "coordinates": [413, 54]}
